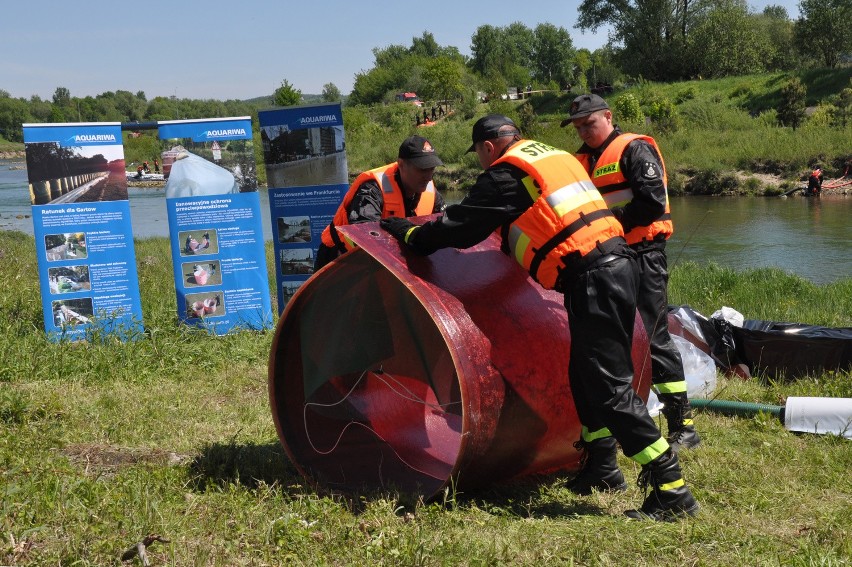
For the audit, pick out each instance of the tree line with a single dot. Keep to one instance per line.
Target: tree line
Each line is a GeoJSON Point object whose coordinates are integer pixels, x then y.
{"type": "Point", "coordinates": [657, 40]}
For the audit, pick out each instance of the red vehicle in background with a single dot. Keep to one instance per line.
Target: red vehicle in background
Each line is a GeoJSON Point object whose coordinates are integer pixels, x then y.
{"type": "Point", "coordinates": [409, 97]}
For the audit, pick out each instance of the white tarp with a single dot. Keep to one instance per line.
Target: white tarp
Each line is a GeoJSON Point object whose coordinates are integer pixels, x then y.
{"type": "Point", "coordinates": [192, 176]}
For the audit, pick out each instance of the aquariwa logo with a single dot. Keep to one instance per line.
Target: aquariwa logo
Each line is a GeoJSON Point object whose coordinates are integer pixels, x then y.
{"type": "Point", "coordinates": [93, 139]}
{"type": "Point", "coordinates": [324, 119]}
{"type": "Point", "coordinates": [227, 133]}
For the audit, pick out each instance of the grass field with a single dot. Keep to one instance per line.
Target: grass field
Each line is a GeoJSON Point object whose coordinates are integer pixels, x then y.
{"type": "Point", "coordinates": [104, 444]}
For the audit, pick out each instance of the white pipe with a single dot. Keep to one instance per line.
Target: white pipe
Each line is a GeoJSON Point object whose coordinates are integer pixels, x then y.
{"type": "Point", "coordinates": [819, 415]}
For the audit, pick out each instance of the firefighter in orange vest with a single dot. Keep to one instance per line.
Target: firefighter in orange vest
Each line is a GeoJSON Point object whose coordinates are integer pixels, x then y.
{"type": "Point", "coordinates": [555, 223]}
{"type": "Point", "coordinates": [400, 189]}
{"type": "Point", "coordinates": [815, 182]}
{"type": "Point", "coordinates": [629, 172]}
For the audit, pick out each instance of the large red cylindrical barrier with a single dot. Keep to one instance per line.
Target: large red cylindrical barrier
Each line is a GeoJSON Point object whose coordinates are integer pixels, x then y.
{"type": "Point", "coordinates": [394, 371]}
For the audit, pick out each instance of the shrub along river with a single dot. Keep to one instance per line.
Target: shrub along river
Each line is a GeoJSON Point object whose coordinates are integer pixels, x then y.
{"type": "Point", "coordinates": [810, 237]}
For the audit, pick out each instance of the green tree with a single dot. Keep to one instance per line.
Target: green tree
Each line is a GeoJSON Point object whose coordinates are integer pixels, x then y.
{"type": "Point", "coordinates": [162, 108]}
{"type": "Point", "coordinates": [400, 69]}
{"type": "Point", "coordinates": [442, 79]}
{"type": "Point", "coordinates": [824, 30]}
{"type": "Point", "coordinates": [843, 108]}
{"type": "Point", "coordinates": [371, 86]}
{"type": "Point", "coordinates": [106, 108]}
{"type": "Point", "coordinates": [552, 55]}
{"type": "Point", "coordinates": [778, 27]}
{"type": "Point", "coordinates": [582, 67]}
{"type": "Point", "coordinates": [507, 53]}
{"type": "Point", "coordinates": [330, 93]}
{"type": "Point", "coordinates": [131, 107]}
{"type": "Point", "coordinates": [605, 67]}
{"type": "Point", "coordinates": [729, 41]}
{"type": "Point", "coordinates": [518, 44]}
{"type": "Point", "coordinates": [286, 95]}
{"type": "Point", "coordinates": [62, 97]}
{"type": "Point", "coordinates": [425, 45]}
{"type": "Point", "coordinates": [486, 51]}
{"type": "Point", "coordinates": [791, 111]}
{"type": "Point", "coordinates": [13, 113]}
{"type": "Point", "coordinates": [651, 34]}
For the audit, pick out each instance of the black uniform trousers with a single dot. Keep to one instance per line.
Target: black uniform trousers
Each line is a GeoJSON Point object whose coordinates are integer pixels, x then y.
{"type": "Point", "coordinates": [601, 304]}
{"type": "Point", "coordinates": [652, 302]}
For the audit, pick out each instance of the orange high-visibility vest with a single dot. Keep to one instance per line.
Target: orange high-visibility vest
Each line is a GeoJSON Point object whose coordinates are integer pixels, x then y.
{"type": "Point", "coordinates": [615, 188]}
{"type": "Point", "coordinates": [568, 214]}
{"type": "Point", "coordinates": [393, 203]}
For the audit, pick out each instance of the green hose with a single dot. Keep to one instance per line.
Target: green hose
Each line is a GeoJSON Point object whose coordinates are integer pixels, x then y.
{"type": "Point", "coordinates": [729, 407]}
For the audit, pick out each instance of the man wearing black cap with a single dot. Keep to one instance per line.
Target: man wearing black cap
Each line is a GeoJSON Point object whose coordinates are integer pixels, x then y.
{"type": "Point", "coordinates": [400, 189]}
{"type": "Point", "coordinates": [555, 223]}
{"type": "Point", "coordinates": [629, 172]}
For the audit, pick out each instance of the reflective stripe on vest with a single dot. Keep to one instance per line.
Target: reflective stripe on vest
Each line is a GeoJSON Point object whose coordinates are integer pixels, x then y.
{"type": "Point", "coordinates": [615, 188]}
{"type": "Point", "coordinates": [568, 214]}
{"type": "Point", "coordinates": [392, 203]}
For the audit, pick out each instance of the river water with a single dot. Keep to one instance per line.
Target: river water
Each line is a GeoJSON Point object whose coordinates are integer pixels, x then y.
{"type": "Point", "coordinates": [808, 237]}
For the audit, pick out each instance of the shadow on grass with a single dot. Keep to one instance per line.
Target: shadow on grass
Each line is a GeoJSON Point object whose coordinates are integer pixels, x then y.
{"type": "Point", "coordinates": [532, 497]}
{"type": "Point", "coordinates": [253, 465]}
{"type": "Point", "coordinates": [249, 465]}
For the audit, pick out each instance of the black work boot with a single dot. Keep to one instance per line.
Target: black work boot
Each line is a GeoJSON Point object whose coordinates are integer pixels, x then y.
{"type": "Point", "coordinates": [600, 468]}
{"type": "Point", "coordinates": [669, 497]}
{"type": "Point", "coordinates": [678, 412]}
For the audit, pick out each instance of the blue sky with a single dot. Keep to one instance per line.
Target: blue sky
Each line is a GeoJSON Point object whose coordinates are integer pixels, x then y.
{"type": "Point", "coordinates": [240, 48]}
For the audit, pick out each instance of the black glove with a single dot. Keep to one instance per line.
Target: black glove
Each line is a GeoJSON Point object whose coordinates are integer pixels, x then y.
{"type": "Point", "coordinates": [397, 227]}
{"type": "Point", "coordinates": [619, 214]}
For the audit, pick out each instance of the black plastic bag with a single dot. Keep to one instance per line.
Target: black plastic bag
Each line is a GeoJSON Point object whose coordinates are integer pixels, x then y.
{"type": "Point", "coordinates": [792, 350]}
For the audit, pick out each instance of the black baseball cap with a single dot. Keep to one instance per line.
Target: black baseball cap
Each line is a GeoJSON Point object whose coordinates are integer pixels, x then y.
{"type": "Point", "coordinates": [488, 128]}
{"type": "Point", "coordinates": [419, 152]}
{"type": "Point", "coordinates": [584, 105]}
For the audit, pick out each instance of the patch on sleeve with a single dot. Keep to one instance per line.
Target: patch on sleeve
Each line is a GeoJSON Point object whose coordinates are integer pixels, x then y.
{"type": "Point", "coordinates": [650, 170]}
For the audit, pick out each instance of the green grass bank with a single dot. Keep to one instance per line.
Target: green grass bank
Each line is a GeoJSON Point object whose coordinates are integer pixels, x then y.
{"type": "Point", "coordinates": [103, 444]}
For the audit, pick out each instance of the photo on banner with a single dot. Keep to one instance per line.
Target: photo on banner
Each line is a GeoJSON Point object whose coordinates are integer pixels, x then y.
{"type": "Point", "coordinates": [304, 151]}
{"type": "Point", "coordinates": [82, 229]}
{"type": "Point", "coordinates": [215, 226]}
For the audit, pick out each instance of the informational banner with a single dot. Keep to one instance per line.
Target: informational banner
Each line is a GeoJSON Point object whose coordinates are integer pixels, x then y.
{"type": "Point", "coordinates": [83, 234]}
{"type": "Point", "coordinates": [305, 155]}
{"type": "Point", "coordinates": [215, 228]}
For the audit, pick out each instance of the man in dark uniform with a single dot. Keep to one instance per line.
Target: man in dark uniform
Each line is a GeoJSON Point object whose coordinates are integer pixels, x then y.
{"type": "Point", "coordinates": [629, 172]}
{"type": "Point", "coordinates": [402, 189]}
{"type": "Point", "coordinates": [525, 186]}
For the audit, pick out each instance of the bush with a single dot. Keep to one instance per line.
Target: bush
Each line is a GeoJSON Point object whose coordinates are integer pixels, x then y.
{"type": "Point", "coordinates": [712, 182]}
{"type": "Point", "coordinates": [686, 94]}
{"type": "Point", "coordinates": [466, 107]}
{"type": "Point", "coordinates": [500, 106]}
{"type": "Point", "coordinates": [752, 185]}
{"type": "Point", "coordinates": [627, 108]}
{"type": "Point", "coordinates": [397, 115]}
{"type": "Point", "coordinates": [663, 114]}
{"type": "Point", "coordinates": [529, 123]}
{"type": "Point", "coordinates": [822, 117]}
{"type": "Point", "coordinates": [741, 90]}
